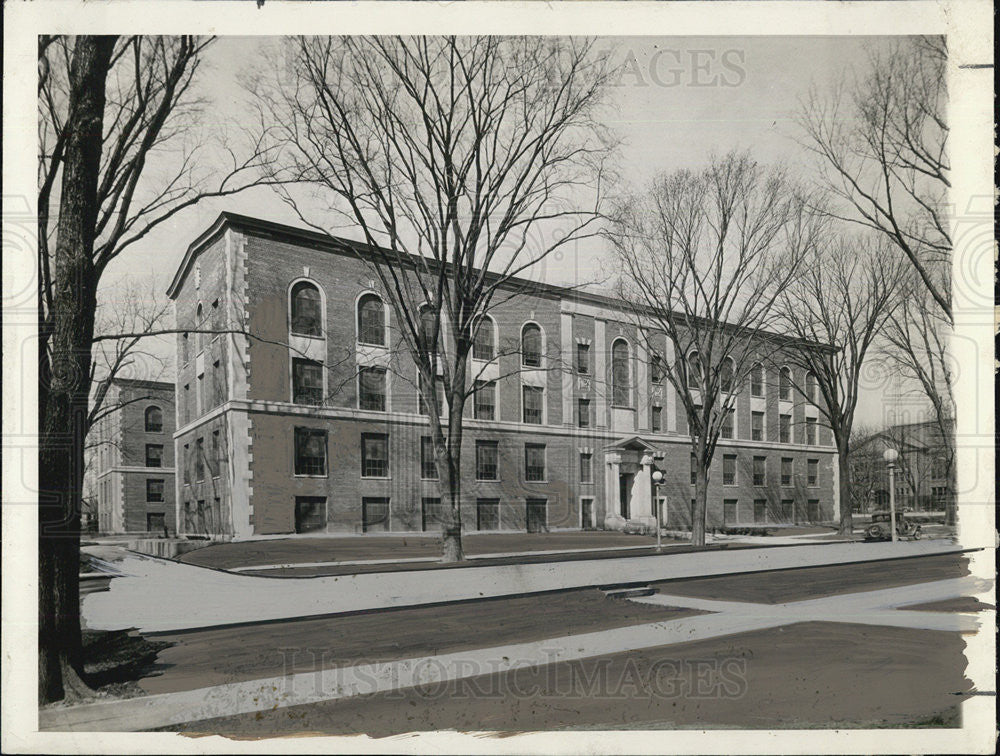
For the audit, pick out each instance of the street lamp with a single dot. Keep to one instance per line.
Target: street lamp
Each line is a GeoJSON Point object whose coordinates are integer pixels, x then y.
{"type": "Point", "coordinates": [890, 456]}
{"type": "Point", "coordinates": [657, 480]}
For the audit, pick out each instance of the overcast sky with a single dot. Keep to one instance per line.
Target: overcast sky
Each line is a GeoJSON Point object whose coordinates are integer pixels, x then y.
{"type": "Point", "coordinates": [678, 101]}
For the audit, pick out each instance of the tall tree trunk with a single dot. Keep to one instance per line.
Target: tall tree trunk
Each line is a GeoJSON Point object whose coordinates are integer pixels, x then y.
{"type": "Point", "coordinates": [700, 510]}
{"type": "Point", "coordinates": [451, 550]}
{"type": "Point", "coordinates": [63, 417]}
{"type": "Point", "coordinates": [844, 473]}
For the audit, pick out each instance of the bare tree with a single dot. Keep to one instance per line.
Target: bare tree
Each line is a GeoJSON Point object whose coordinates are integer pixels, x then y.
{"type": "Point", "coordinates": [882, 140]}
{"type": "Point", "coordinates": [917, 337]}
{"type": "Point", "coordinates": [116, 160]}
{"type": "Point", "coordinates": [844, 296]}
{"type": "Point", "coordinates": [704, 257]}
{"type": "Point", "coordinates": [868, 470]}
{"type": "Point", "coordinates": [461, 161]}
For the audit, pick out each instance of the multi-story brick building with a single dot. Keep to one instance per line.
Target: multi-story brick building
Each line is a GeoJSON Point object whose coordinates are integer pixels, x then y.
{"type": "Point", "coordinates": [131, 459]}
{"type": "Point", "coordinates": [311, 420]}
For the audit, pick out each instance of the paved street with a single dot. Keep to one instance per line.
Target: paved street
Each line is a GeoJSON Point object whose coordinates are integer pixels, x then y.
{"type": "Point", "coordinates": [877, 643]}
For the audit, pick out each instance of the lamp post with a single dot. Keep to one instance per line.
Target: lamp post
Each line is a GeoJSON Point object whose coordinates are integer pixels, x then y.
{"type": "Point", "coordinates": [657, 480]}
{"type": "Point", "coordinates": [890, 456]}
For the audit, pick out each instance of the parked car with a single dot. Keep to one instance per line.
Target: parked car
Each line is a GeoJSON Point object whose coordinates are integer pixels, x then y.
{"type": "Point", "coordinates": [880, 528]}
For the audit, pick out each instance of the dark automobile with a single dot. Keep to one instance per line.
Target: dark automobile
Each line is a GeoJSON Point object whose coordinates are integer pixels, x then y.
{"type": "Point", "coordinates": [880, 528]}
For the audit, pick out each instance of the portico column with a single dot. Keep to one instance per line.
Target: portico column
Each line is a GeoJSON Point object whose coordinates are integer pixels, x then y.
{"type": "Point", "coordinates": [642, 500]}
{"type": "Point", "coordinates": [612, 491]}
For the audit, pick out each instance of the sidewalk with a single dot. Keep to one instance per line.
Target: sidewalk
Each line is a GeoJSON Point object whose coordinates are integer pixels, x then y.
{"type": "Point", "coordinates": [155, 595]}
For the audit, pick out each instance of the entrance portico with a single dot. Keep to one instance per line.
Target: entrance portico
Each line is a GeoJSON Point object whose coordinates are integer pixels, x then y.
{"type": "Point", "coordinates": [629, 483]}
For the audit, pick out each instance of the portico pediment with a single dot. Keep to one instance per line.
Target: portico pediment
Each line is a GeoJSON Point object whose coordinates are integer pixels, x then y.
{"type": "Point", "coordinates": [630, 443]}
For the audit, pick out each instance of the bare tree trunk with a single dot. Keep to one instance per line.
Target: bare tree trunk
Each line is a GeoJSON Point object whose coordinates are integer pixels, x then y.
{"type": "Point", "coordinates": [844, 471]}
{"type": "Point", "coordinates": [700, 510]}
{"type": "Point", "coordinates": [63, 418]}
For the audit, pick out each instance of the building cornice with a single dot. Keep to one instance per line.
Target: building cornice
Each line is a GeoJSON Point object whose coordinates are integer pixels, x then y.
{"type": "Point", "coordinates": [354, 248]}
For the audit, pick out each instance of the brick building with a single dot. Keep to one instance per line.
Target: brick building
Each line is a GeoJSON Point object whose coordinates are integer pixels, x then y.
{"type": "Point", "coordinates": [131, 459]}
{"type": "Point", "coordinates": [314, 422]}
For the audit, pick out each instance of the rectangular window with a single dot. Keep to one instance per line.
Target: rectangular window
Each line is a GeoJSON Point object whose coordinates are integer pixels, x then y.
{"type": "Point", "coordinates": [374, 514]}
{"type": "Point", "coordinates": [729, 470]}
{"type": "Point", "coordinates": [487, 460]}
{"type": "Point", "coordinates": [785, 429]}
{"type": "Point", "coordinates": [759, 511]}
{"type": "Point", "coordinates": [812, 508]}
{"type": "Point", "coordinates": [729, 511]}
{"type": "Point", "coordinates": [787, 513]}
{"type": "Point", "coordinates": [487, 514]}
{"type": "Point", "coordinates": [657, 424]}
{"type": "Point", "coordinates": [310, 514]}
{"type": "Point", "coordinates": [694, 470]}
{"type": "Point", "coordinates": [188, 409]}
{"type": "Point", "coordinates": [307, 381]}
{"type": "Point", "coordinates": [310, 451]}
{"type": "Point", "coordinates": [729, 424]}
{"type": "Point", "coordinates": [757, 426]}
{"type": "Point", "coordinates": [534, 462]}
{"type": "Point", "coordinates": [371, 388]}
{"type": "Point", "coordinates": [656, 369]}
{"type": "Point", "coordinates": [216, 459]}
{"type": "Point", "coordinates": [811, 426]}
{"type": "Point", "coordinates": [583, 413]}
{"type": "Point", "coordinates": [786, 471]}
{"type": "Point", "coordinates": [199, 459]}
{"type": "Point", "coordinates": [532, 405]}
{"type": "Point", "coordinates": [430, 513]}
{"type": "Point", "coordinates": [186, 462]}
{"type": "Point", "coordinates": [812, 474]}
{"type": "Point", "coordinates": [428, 470]}
{"type": "Point", "coordinates": [583, 359]}
{"type": "Point", "coordinates": [156, 522]}
{"type": "Point", "coordinates": [586, 467]}
{"type": "Point", "coordinates": [154, 489]}
{"type": "Point", "coordinates": [439, 391]}
{"type": "Point", "coordinates": [485, 403]}
{"type": "Point", "coordinates": [374, 455]}
{"type": "Point", "coordinates": [154, 455]}
{"type": "Point", "coordinates": [759, 471]}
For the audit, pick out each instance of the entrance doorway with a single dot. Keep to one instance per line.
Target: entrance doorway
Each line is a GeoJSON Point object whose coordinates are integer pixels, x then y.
{"type": "Point", "coordinates": [625, 494]}
{"type": "Point", "coordinates": [536, 516]}
{"type": "Point", "coordinates": [587, 514]}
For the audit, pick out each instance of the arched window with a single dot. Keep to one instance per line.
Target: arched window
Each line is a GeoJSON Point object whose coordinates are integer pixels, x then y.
{"type": "Point", "coordinates": [371, 320]}
{"type": "Point", "coordinates": [757, 380]}
{"type": "Point", "coordinates": [727, 374]}
{"type": "Point", "coordinates": [620, 374]}
{"type": "Point", "coordinates": [307, 310]}
{"type": "Point", "coordinates": [154, 420]}
{"type": "Point", "coordinates": [484, 341]}
{"type": "Point", "coordinates": [531, 345]}
{"type": "Point", "coordinates": [785, 384]}
{"type": "Point", "coordinates": [428, 330]}
{"type": "Point", "coordinates": [694, 370]}
{"type": "Point", "coordinates": [812, 392]}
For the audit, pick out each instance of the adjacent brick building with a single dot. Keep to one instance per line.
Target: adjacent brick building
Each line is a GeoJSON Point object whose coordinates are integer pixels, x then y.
{"type": "Point", "coordinates": [314, 423]}
{"type": "Point", "coordinates": [131, 459]}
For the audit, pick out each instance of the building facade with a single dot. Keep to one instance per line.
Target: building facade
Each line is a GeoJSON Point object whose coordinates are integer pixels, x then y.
{"type": "Point", "coordinates": [131, 459]}
{"type": "Point", "coordinates": [297, 413]}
